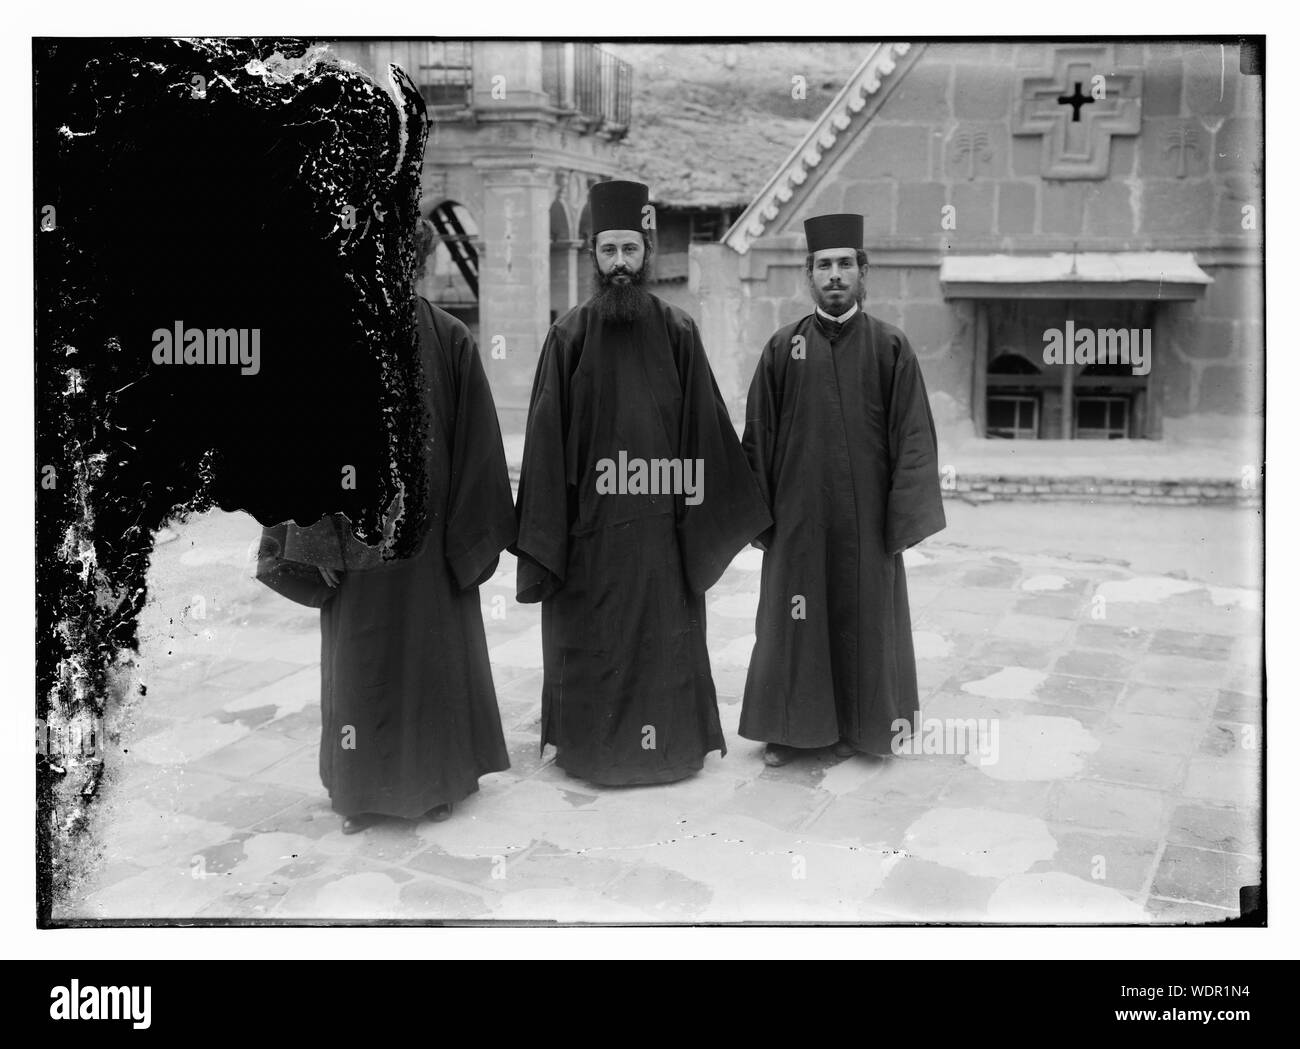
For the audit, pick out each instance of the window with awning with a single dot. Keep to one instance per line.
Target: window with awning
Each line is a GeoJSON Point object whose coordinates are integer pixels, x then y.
{"type": "Point", "coordinates": [1064, 343]}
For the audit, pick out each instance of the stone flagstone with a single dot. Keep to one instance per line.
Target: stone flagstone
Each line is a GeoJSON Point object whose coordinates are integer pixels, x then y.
{"type": "Point", "coordinates": [982, 842]}
{"type": "Point", "coordinates": [1127, 729]}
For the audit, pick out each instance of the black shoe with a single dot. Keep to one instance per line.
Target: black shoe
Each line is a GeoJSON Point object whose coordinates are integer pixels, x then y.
{"type": "Point", "coordinates": [777, 754]}
{"type": "Point", "coordinates": [356, 824]}
{"type": "Point", "coordinates": [844, 749]}
{"type": "Point", "coordinates": [439, 813]}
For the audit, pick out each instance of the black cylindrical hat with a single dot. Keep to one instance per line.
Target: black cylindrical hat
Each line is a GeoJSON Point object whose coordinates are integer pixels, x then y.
{"type": "Point", "coordinates": [618, 205]}
{"type": "Point", "coordinates": [833, 231]}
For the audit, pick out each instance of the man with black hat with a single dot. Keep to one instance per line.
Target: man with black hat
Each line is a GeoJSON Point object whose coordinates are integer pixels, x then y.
{"type": "Point", "coordinates": [619, 535]}
{"type": "Point", "coordinates": [841, 440]}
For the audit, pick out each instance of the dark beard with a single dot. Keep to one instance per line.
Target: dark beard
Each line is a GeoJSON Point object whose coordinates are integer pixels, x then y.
{"type": "Point", "coordinates": [859, 295]}
{"type": "Point", "coordinates": [620, 303]}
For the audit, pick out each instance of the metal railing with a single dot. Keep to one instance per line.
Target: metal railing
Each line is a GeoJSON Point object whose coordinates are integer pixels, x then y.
{"type": "Point", "coordinates": [588, 81]}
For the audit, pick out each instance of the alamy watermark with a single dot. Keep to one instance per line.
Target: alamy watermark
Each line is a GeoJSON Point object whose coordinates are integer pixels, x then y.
{"type": "Point", "coordinates": [972, 737]}
{"type": "Point", "coordinates": [181, 345]}
{"type": "Point", "coordinates": [1130, 346]}
{"type": "Point", "coordinates": [62, 740]}
{"type": "Point", "coordinates": [651, 477]}
{"type": "Point", "coordinates": [75, 1002]}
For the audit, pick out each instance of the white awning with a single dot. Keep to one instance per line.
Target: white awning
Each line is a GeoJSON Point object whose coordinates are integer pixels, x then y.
{"type": "Point", "coordinates": [1151, 275]}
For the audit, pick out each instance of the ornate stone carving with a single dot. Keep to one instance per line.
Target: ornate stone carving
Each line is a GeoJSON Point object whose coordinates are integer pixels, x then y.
{"type": "Point", "coordinates": [1181, 140]}
{"type": "Point", "coordinates": [969, 148]}
{"type": "Point", "coordinates": [1077, 108]}
{"type": "Point", "coordinates": [843, 110]}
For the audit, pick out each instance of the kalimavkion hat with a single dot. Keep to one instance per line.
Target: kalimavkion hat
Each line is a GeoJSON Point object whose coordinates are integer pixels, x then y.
{"type": "Point", "coordinates": [833, 231]}
{"type": "Point", "coordinates": [618, 205]}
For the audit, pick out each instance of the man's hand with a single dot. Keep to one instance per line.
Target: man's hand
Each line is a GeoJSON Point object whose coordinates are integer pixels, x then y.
{"type": "Point", "coordinates": [330, 576]}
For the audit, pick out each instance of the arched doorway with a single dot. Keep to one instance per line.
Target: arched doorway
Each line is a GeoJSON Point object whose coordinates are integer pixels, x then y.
{"type": "Point", "coordinates": [586, 279]}
{"type": "Point", "coordinates": [564, 263]}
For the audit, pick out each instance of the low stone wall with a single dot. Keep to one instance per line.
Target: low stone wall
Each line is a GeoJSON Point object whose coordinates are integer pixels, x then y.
{"type": "Point", "coordinates": [1222, 492]}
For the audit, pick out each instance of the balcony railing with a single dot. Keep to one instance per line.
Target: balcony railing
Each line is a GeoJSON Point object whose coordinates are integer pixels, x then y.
{"type": "Point", "coordinates": [589, 82]}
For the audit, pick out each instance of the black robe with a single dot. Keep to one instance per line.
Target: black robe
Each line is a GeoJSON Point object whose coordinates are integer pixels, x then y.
{"type": "Point", "coordinates": [628, 694]}
{"type": "Point", "coordinates": [843, 445]}
{"type": "Point", "coordinates": [404, 659]}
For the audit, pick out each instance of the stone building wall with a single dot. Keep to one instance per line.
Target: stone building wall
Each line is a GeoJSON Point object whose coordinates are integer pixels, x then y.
{"type": "Point", "coordinates": [944, 135]}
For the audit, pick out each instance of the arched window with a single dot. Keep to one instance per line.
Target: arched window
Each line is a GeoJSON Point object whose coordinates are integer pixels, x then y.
{"type": "Point", "coordinates": [1012, 364]}
{"type": "Point", "coordinates": [1106, 401]}
{"type": "Point", "coordinates": [1063, 369]}
{"type": "Point", "coordinates": [1014, 400]}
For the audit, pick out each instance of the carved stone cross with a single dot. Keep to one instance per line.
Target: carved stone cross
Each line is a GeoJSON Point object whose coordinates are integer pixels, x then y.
{"type": "Point", "coordinates": [1077, 108]}
{"type": "Point", "coordinates": [1078, 100]}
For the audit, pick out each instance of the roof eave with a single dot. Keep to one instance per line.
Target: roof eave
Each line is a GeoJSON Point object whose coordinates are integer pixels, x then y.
{"type": "Point", "coordinates": [839, 114]}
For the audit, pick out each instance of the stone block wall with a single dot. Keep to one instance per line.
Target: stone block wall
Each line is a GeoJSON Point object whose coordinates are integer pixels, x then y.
{"type": "Point", "coordinates": [939, 168]}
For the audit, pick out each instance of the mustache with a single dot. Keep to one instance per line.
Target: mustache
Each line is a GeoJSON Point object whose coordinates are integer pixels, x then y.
{"type": "Point", "coordinates": [606, 279]}
{"type": "Point", "coordinates": [856, 289]}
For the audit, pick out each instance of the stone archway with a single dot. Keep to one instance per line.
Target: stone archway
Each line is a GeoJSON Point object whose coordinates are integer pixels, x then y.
{"type": "Point", "coordinates": [585, 278]}
{"type": "Point", "coordinates": [564, 262]}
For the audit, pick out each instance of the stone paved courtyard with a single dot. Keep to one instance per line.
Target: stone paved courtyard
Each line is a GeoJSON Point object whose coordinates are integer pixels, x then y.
{"type": "Point", "coordinates": [1126, 786]}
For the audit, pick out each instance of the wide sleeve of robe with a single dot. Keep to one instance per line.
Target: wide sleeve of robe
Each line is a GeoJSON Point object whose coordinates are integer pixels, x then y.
{"type": "Point", "coordinates": [542, 510]}
{"type": "Point", "coordinates": [732, 510]}
{"type": "Point", "coordinates": [480, 510]}
{"type": "Point", "coordinates": [762, 414]}
{"type": "Point", "coordinates": [915, 509]}
{"type": "Point", "coordinates": [289, 559]}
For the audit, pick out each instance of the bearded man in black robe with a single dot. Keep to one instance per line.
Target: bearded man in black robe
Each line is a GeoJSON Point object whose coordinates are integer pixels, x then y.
{"type": "Point", "coordinates": [633, 498]}
{"type": "Point", "coordinates": [841, 440]}
{"type": "Point", "coordinates": [409, 718]}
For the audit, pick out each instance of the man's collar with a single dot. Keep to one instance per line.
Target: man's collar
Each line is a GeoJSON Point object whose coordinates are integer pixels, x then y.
{"type": "Point", "coordinates": [843, 318]}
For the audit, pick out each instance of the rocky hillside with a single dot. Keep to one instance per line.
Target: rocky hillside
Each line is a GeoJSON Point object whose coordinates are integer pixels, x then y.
{"type": "Point", "coordinates": [711, 122]}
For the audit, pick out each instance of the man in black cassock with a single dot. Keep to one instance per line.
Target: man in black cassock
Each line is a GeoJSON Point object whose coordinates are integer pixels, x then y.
{"type": "Point", "coordinates": [409, 718]}
{"type": "Point", "coordinates": [633, 499]}
{"type": "Point", "coordinates": [840, 437]}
